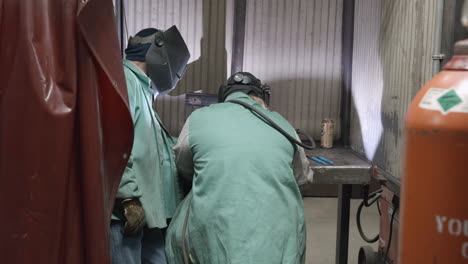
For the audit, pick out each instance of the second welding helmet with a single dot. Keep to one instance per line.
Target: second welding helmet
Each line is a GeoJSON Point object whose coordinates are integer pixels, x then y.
{"type": "Point", "coordinates": [166, 58]}
{"type": "Point", "coordinates": [247, 83]}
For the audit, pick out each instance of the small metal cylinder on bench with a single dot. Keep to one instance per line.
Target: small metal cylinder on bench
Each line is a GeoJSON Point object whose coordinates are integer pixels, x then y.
{"type": "Point", "coordinates": [328, 129]}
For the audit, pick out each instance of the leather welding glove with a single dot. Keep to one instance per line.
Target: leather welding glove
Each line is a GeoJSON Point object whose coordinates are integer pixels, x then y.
{"type": "Point", "coordinates": [134, 215]}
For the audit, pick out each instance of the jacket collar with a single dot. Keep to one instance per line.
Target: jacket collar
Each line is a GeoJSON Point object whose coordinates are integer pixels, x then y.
{"type": "Point", "coordinates": [142, 77]}
{"type": "Point", "coordinates": [243, 97]}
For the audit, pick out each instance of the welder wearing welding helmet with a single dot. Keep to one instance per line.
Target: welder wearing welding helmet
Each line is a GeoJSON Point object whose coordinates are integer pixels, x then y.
{"type": "Point", "coordinates": [245, 205]}
{"type": "Point", "coordinates": [149, 191]}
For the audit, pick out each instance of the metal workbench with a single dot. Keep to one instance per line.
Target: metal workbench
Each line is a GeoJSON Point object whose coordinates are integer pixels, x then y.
{"type": "Point", "coordinates": [348, 170]}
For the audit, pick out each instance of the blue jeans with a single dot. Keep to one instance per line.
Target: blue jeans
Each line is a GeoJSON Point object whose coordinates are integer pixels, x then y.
{"type": "Point", "coordinates": [146, 247]}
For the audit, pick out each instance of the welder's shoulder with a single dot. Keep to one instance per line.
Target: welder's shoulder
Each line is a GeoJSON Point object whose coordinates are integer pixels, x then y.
{"type": "Point", "coordinates": [211, 110]}
{"type": "Point", "coordinates": [280, 120]}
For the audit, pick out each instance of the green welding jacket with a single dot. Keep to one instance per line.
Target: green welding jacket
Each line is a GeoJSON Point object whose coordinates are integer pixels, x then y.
{"type": "Point", "coordinates": [245, 205]}
{"type": "Point", "coordinates": [151, 173]}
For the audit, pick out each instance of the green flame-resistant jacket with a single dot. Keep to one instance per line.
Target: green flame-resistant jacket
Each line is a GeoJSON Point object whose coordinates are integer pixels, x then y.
{"type": "Point", "coordinates": [151, 174]}
{"type": "Point", "coordinates": [245, 206]}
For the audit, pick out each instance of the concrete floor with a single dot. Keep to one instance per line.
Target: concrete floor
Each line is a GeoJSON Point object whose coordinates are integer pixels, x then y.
{"type": "Point", "coordinates": [321, 215]}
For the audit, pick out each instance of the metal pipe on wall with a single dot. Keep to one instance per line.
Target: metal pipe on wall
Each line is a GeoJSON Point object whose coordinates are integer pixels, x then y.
{"type": "Point", "coordinates": [452, 29]}
{"type": "Point", "coordinates": [119, 15]}
{"type": "Point", "coordinates": [437, 56]}
{"type": "Point", "coordinates": [347, 68]}
{"type": "Point", "coordinates": [345, 191]}
{"type": "Point", "coordinates": [238, 36]}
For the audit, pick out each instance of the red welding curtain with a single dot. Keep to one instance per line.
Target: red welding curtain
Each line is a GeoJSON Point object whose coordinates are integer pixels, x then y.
{"type": "Point", "coordinates": [65, 130]}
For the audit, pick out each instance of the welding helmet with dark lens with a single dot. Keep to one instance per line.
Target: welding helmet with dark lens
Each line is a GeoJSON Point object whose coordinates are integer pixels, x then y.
{"type": "Point", "coordinates": [166, 59]}
{"type": "Point", "coordinates": [247, 83]}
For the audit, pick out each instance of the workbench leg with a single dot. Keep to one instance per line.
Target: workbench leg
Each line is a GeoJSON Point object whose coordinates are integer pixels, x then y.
{"type": "Point", "coordinates": [342, 232]}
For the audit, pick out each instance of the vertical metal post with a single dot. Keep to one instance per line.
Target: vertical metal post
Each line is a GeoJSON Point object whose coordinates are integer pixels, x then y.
{"type": "Point", "coordinates": [119, 16]}
{"type": "Point", "coordinates": [342, 232]}
{"type": "Point", "coordinates": [452, 29]}
{"type": "Point", "coordinates": [347, 68]}
{"type": "Point", "coordinates": [437, 56]}
{"type": "Point", "coordinates": [240, 8]}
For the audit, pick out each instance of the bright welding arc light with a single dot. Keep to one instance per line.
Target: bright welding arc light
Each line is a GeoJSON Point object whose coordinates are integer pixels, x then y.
{"type": "Point", "coordinates": [367, 80]}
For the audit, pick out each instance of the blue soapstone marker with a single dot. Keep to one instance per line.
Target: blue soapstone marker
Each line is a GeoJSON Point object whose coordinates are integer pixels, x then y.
{"type": "Point", "coordinates": [318, 160]}
{"type": "Point", "coordinates": [326, 160]}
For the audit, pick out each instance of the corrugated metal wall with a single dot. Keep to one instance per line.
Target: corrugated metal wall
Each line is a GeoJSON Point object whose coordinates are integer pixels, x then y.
{"type": "Point", "coordinates": [393, 46]}
{"type": "Point", "coordinates": [295, 47]}
{"type": "Point", "coordinates": [202, 23]}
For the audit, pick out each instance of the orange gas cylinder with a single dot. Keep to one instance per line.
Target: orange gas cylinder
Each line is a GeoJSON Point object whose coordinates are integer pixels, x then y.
{"type": "Point", "coordinates": [434, 201]}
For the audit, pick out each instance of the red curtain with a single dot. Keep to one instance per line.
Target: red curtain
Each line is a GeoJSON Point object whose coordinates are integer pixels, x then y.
{"type": "Point", "coordinates": [65, 130]}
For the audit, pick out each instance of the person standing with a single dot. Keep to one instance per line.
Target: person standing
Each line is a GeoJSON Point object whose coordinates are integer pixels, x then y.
{"type": "Point", "coordinates": [149, 191]}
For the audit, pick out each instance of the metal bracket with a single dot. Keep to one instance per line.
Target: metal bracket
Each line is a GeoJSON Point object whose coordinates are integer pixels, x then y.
{"type": "Point", "coordinates": [438, 56]}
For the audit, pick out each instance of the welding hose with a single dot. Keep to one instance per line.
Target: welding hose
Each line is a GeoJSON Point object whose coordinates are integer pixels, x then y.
{"type": "Point", "coordinates": [367, 203]}
{"type": "Point", "coordinates": [311, 140]}
{"type": "Point", "coordinates": [391, 233]}
{"type": "Point", "coordinates": [368, 196]}
{"type": "Point", "coordinates": [275, 126]}
{"type": "Point", "coordinates": [396, 206]}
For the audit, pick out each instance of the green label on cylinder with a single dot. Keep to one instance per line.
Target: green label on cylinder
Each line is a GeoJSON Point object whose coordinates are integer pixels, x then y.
{"type": "Point", "coordinates": [449, 100]}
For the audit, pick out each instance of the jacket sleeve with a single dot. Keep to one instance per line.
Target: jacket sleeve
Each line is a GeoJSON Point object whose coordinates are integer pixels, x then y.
{"type": "Point", "coordinates": [183, 153]}
{"type": "Point", "coordinates": [129, 186]}
{"type": "Point", "coordinates": [302, 171]}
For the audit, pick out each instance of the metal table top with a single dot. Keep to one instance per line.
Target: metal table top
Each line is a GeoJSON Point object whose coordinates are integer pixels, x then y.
{"type": "Point", "coordinates": [348, 168]}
